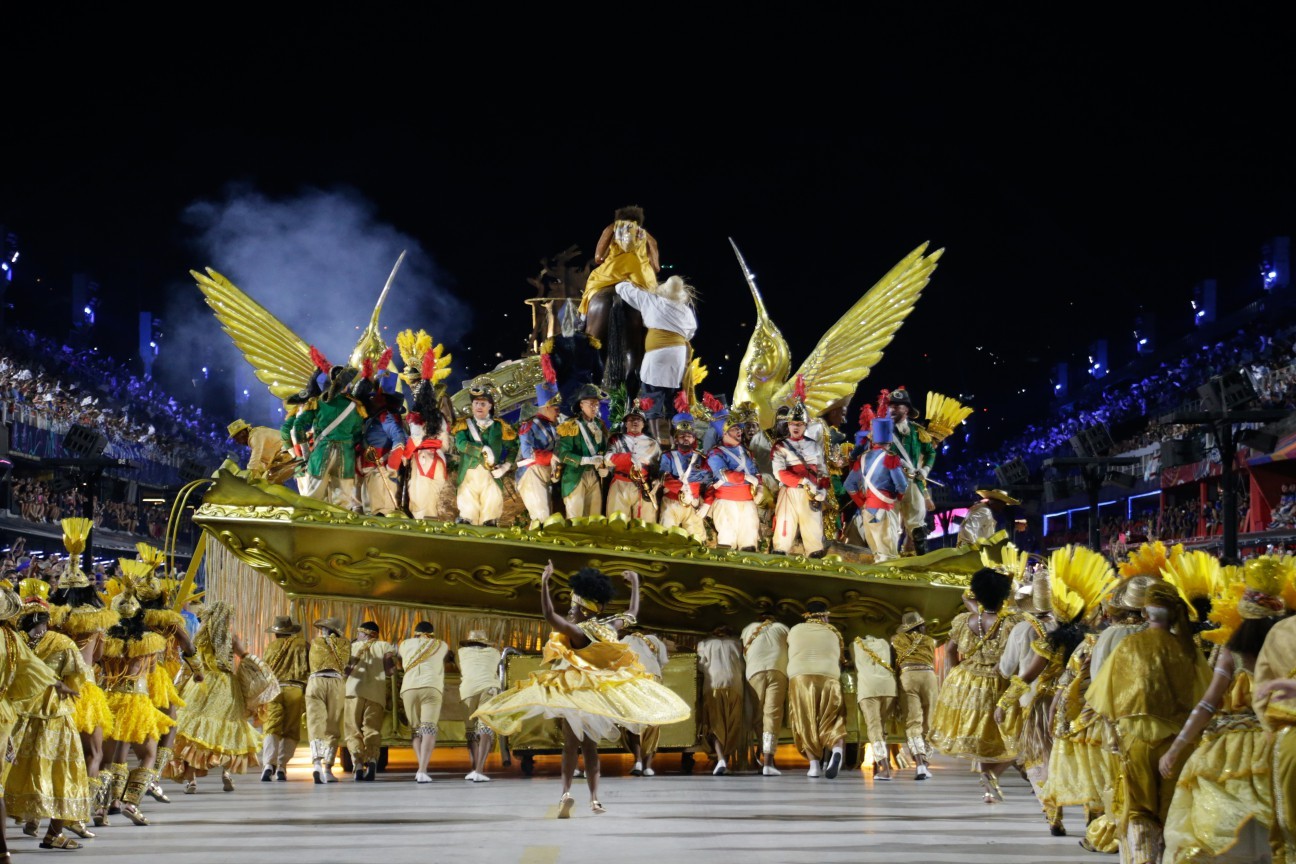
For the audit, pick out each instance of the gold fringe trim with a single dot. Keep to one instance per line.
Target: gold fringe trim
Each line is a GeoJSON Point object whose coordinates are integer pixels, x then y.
{"type": "Point", "coordinates": [149, 643]}
{"type": "Point", "coordinates": [113, 647]}
{"type": "Point", "coordinates": [82, 620]}
{"type": "Point", "coordinates": [158, 619]}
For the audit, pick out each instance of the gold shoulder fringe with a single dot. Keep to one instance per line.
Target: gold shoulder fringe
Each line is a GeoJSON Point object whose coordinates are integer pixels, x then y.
{"type": "Point", "coordinates": [149, 643]}
{"type": "Point", "coordinates": [157, 619]}
{"type": "Point", "coordinates": [507, 431]}
{"type": "Point", "coordinates": [568, 429]}
{"type": "Point", "coordinates": [113, 647]}
{"type": "Point", "coordinates": [84, 620]}
{"type": "Point", "coordinates": [459, 426]}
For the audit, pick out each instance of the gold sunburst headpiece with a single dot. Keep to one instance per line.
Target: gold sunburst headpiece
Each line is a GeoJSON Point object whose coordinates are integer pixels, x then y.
{"type": "Point", "coordinates": [944, 414]}
{"type": "Point", "coordinates": [1149, 559]}
{"type": "Point", "coordinates": [1224, 606]}
{"type": "Point", "coordinates": [1012, 562]}
{"type": "Point", "coordinates": [1079, 578]}
{"type": "Point", "coordinates": [76, 530]}
{"type": "Point", "coordinates": [1196, 574]}
{"type": "Point", "coordinates": [1266, 578]}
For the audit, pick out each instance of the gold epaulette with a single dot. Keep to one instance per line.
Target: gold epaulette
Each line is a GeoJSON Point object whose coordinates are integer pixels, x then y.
{"type": "Point", "coordinates": [158, 619]}
{"type": "Point", "coordinates": [114, 647]}
{"type": "Point", "coordinates": [83, 620]}
{"type": "Point", "coordinates": [311, 404]}
{"type": "Point", "coordinates": [568, 429]}
{"type": "Point", "coordinates": [149, 643]}
{"type": "Point", "coordinates": [460, 425]}
{"type": "Point", "coordinates": [507, 430]}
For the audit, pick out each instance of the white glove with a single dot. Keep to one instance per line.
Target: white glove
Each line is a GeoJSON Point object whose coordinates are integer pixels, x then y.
{"type": "Point", "coordinates": [499, 472]}
{"type": "Point", "coordinates": [703, 511]}
{"type": "Point", "coordinates": [752, 479]}
{"type": "Point", "coordinates": [594, 461]}
{"type": "Point", "coordinates": [488, 456]}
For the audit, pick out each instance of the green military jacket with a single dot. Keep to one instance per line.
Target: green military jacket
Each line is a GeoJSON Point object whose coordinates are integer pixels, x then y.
{"type": "Point", "coordinates": [920, 448]}
{"type": "Point", "coordinates": [499, 436]}
{"type": "Point", "coordinates": [574, 446]}
{"type": "Point", "coordinates": [317, 417]}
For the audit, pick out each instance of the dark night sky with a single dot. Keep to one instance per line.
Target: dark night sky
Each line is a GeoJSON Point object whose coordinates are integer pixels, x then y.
{"type": "Point", "coordinates": [1071, 190]}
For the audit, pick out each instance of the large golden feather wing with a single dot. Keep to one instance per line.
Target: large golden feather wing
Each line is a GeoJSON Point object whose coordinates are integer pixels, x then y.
{"type": "Point", "coordinates": [280, 359]}
{"type": "Point", "coordinates": [853, 346]}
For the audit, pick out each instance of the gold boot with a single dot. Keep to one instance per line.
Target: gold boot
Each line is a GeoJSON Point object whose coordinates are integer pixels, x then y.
{"type": "Point", "coordinates": [155, 791]}
{"type": "Point", "coordinates": [119, 770]}
{"type": "Point", "coordinates": [136, 783]}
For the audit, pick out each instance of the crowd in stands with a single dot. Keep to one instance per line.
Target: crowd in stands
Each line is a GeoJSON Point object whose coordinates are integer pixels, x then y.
{"type": "Point", "coordinates": [34, 501]}
{"type": "Point", "coordinates": [47, 383]}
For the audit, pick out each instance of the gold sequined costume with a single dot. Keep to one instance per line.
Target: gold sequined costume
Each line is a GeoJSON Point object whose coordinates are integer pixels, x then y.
{"type": "Point", "coordinates": [212, 725]}
{"type": "Point", "coordinates": [963, 724]}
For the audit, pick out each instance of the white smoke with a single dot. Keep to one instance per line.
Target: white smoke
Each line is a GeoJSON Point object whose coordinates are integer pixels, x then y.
{"type": "Point", "coordinates": [317, 262]}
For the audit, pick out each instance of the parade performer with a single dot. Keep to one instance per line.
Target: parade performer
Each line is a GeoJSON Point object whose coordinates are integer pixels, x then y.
{"type": "Point", "coordinates": [77, 611]}
{"type": "Point", "coordinates": [382, 442]}
{"type": "Point", "coordinates": [1275, 705]}
{"type": "Point", "coordinates": [915, 447]}
{"type": "Point", "coordinates": [487, 447]}
{"type": "Point", "coordinates": [366, 700]}
{"type": "Point", "coordinates": [798, 463]}
{"type": "Point", "coordinates": [651, 652]}
{"type": "Point", "coordinates": [212, 727]}
{"type": "Point", "coordinates": [671, 321]}
{"type": "Point", "coordinates": [264, 442]}
{"type": "Point", "coordinates": [47, 778]}
{"type": "Point", "coordinates": [26, 679]}
{"type": "Point", "coordinates": [130, 656]}
{"type": "Point", "coordinates": [1224, 800]}
{"type": "Point", "coordinates": [876, 485]}
{"type": "Point", "coordinates": [537, 441]}
{"type": "Point", "coordinates": [1148, 688]}
{"type": "Point", "coordinates": [915, 657]}
{"type": "Point", "coordinates": [427, 472]}
{"type": "Point", "coordinates": [684, 476]}
{"type": "Point", "coordinates": [982, 519]}
{"type": "Point", "coordinates": [479, 681]}
{"type": "Point", "coordinates": [422, 658]}
{"type": "Point", "coordinates": [875, 690]}
{"type": "Point", "coordinates": [333, 422]}
{"type": "Point", "coordinates": [765, 655]}
{"type": "Point", "coordinates": [720, 661]}
{"type": "Point", "coordinates": [736, 481]}
{"type": "Point", "coordinates": [281, 720]}
{"type": "Point", "coordinates": [635, 459]}
{"type": "Point", "coordinates": [625, 252]}
{"type": "Point", "coordinates": [326, 695]}
{"type": "Point", "coordinates": [815, 705]}
{"type": "Point", "coordinates": [582, 447]}
{"type": "Point", "coordinates": [595, 686]}
{"type": "Point", "coordinates": [1033, 624]}
{"type": "Point", "coordinates": [963, 725]}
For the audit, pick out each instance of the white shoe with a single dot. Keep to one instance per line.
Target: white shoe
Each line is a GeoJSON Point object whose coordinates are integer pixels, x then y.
{"type": "Point", "coordinates": [329, 776]}
{"type": "Point", "coordinates": [648, 772]}
{"type": "Point", "coordinates": [834, 765]}
{"type": "Point", "coordinates": [422, 777]}
{"type": "Point", "coordinates": [814, 768]}
{"type": "Point", "coordinates": [471, 775]}
{"type": "Point", "coordinates": [720, 769]}
{"type": "Point", "coordinates": [922, 773]}
{"type": "Point", "coordinates": [579, 772]}
{"type": "Point", "coordinates": [770, 771]}
{"type": "Point", "coordinates": [481, 778]}
{"type": "Point", "coordinates": [637, 770]}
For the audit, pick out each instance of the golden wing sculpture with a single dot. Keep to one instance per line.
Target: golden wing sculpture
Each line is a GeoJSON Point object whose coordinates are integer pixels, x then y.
{"type": "Point", "coordinates": [280, 359]}
{"type": "Point", "coordinates": [845, 354]}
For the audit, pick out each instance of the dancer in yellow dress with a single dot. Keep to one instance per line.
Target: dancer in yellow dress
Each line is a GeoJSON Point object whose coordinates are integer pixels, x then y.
{"type": "Point", "coordinates": [212, 728]}
{"type": "Point", "coordinates": [595, 686]}
{"type": "Point", "coordinates": [47, 779]}
{"type": "Point", "coordinates": [1223, 806]}
{"type": "Point", "coordinates": [77, 611]}
{"type": "Point", "coordinates": [161, 618]}
{"type": "Point", "coordinates": [625, 253]}
{"type": "Point", "coordinates": [963, 724]}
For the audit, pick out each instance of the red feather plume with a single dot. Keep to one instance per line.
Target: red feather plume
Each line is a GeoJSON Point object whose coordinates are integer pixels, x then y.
{"type": "Point", "coordinates": [321, 362]}
{"type": "Point", "coordinates": [415, 418]}
{"type": "Point", "coordinates": [681, 402]}
{"type": "Point", "coordinates": [712, 403]}
{"type": "Point", "coordinates": [884, 403]}
{"type": "Point", "coordinates": [646, 403]}
{"type": "Point", "coordinates": [366, 368]}
{"type": "Point", "coordinates": [866, 418]}
{"type": "Point", "coordinates": [547, 369]}
{"type": "Point", "coordinates": [800, 388]}
{"type": "Point", "coordinates": [429, 366]}
{"type": "Point", "coordinates": [384, 361]}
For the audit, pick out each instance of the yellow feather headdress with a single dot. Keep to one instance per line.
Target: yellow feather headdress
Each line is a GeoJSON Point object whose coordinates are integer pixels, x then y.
{"type": "Point", "coordinates": [76, 530]}
{"type": "Point", "coordinates": [1078, 577]}
{"type": "Point", "coordinates": [944, 415]}
{"type": "Point", "coordinates": [1012, 562]}
{"type": "Point", "coordinates": [1149, 559]}
{"type": "Point", "coordinates": [1224, 606]}
{"type": "Point", "coordinates": [414, 348]}
{"type": "Point", "coordinates": [150, 555]}
{"type": "Point", "coordinates": [1195, 574]}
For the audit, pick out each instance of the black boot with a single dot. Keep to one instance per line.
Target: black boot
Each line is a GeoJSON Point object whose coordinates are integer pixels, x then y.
{"type": "Point", "coordinates": [920, 541]}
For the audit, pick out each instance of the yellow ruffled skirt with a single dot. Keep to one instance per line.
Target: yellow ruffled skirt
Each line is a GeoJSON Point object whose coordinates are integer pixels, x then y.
{"type": "Point", "coordinates": [1223, 786]}
{"type": "Point", "coordinates": [212, 727]}
{"type": "Point", "coordinates": [91, 711]}
{"type": "Point", "coordinates": [1079, 769]}
{"type": "Point", "coordinates": [594, 702]}
{"type": "Point", "coordinates": [48, 778]}
{"type": "Point", "coordinates": [135, 719]}
{"type": "Point", "coordinates": [162, 689]}
{"type": "Point", "coordinates": [963, 723]}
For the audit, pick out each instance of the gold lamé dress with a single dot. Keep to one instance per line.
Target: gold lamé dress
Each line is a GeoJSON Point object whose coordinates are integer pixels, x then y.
{"type": "Point", "coordinates": [597, 690]}
{"type": "Point", "coordinates": [627, 261]}
{"type": "Point", "coordinates": [24, 679]}
{"type": "Point", "coordinates": [212, 727]}
{"type": "Point", "coordinates": [1225, 782]}
{"type": "Point", "coordinates": [963, 723]}
{"type": "Point", "coordinates": [48, 777]}
{"type": "Point", "coordinates": [1079, 770]}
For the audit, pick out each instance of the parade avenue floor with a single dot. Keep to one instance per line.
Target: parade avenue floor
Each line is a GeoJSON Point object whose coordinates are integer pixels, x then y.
{"type": "Point", "coordinates": [664, 819]}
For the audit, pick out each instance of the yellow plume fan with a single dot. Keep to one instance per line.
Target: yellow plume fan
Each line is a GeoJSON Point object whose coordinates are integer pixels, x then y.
{"type": "Point", "coordinates": [1012, 561]}
{"type": "Point", "coordinates": [150, 555]}
{"type": "Point", "coordinates": [410, 346]}
{"type": "Point", "coordinates": [443, 359]}
{"type": "Point", "coordinates": [1078, 577]}
{"type": "Point", "coordinates": [133, 569]}
{"type": "Point", "coordinates": [944, 414]}
{"type": "Point", "coordinates": [1224, 607]}
{"type": "Point", "coordinates": [33, 587]}
{"type": "Point", "coordinates": [1149, 559]}
{"type": "Point", "coordinates": [1195, 574]}
{"type": "Point", "coordinates": [697, 373]}
{"type": "Point", "coordinates": [75, 531]}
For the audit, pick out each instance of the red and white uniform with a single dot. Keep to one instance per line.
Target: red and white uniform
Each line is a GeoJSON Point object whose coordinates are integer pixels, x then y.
{"type": "Point", "coordinates": [628, 454]}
